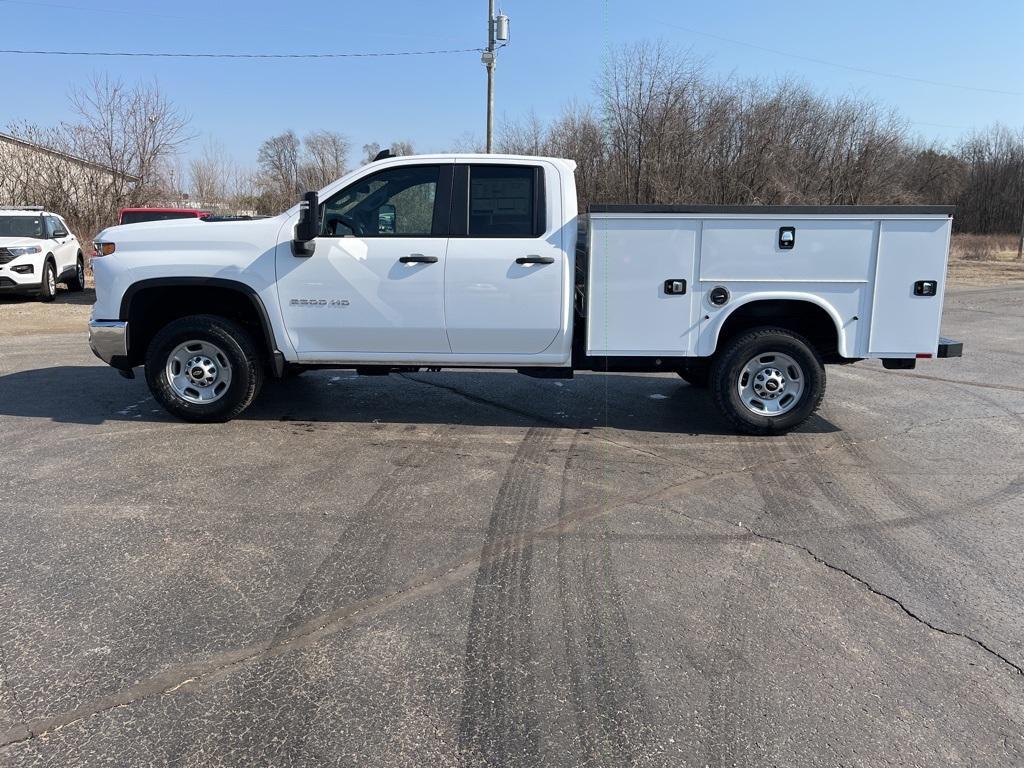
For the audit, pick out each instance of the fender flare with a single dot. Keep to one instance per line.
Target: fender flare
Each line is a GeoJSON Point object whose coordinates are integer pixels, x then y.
{"type": "Point", "coordinates": [276, 357]}
{"type": "Point", "coordinates": [715, 326]}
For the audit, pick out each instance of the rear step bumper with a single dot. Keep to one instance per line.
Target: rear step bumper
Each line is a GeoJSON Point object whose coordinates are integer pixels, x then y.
{"type": "Point", "coordinates": [950, 348]}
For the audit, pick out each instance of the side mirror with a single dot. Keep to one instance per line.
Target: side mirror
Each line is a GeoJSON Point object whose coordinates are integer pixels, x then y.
{"type": "Point", "coordinates": [60, 233]}
{"type": "Point", "coordinates": [307, 229]}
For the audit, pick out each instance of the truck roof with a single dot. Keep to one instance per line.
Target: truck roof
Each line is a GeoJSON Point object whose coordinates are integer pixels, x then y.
{"type": "Point", "coordinates": [447, 157]}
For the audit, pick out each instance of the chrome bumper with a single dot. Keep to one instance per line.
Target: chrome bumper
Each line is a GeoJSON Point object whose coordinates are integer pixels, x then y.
{"type": "Point", "coordinates": [109, 341]}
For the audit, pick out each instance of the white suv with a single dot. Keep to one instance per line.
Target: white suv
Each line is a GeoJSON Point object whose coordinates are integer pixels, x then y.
{"type": "Point", "coordinates": [37, 251]}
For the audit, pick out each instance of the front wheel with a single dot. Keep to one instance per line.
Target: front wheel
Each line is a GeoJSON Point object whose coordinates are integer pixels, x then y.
{"type": "Point", "coordinates": [203, 368]}
{"type": "Point", "coordinates": [48, 288]}
{"type": "Point", "coordinates": [767, 381]}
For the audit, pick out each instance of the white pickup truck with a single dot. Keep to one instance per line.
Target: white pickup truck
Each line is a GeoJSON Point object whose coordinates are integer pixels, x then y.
{"type": "Point", "coordinates": [482, 261]}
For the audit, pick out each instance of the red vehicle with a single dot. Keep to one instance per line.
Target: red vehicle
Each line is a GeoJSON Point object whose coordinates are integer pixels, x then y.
{"type": "Point", "coordinates": [136, 215]}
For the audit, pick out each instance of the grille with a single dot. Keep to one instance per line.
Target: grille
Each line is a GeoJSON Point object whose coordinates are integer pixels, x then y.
{"type": "Point", "coordinates": [6, 281]}
{"type": "Point", "coordinates": [5, 256]}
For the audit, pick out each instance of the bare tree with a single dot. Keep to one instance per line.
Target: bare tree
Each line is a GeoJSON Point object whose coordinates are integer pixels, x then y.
{"type": "Point", "coordinates": [213, 174]}
{"type": "Point", "coordinates": [323, 158]}
{"type": "Point", "coordinates": [134, 130]}
{"type": "Point", "coordinates": [278, 159]}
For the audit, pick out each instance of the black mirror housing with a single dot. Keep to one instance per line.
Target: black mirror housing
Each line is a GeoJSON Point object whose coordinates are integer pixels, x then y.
{"type": "Point", "coordinates": [307, 229]}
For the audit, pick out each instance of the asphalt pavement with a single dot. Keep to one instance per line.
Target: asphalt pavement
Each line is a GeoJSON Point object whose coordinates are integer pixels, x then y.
{"type": "Point", "coordinates": [470, 569]}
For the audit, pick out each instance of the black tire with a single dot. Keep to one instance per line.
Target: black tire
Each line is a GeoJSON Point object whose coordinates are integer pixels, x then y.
{"type": "Point", "coordinates": [696, 377]}
{"type": "Point", "coordinates": [76, 282]}
{"type": "Point", "coordinates": [48, 289]}
{"type": "Point", "coordinates": [242, 356]}
{"type": "Point", "coordinates": [729, 365]}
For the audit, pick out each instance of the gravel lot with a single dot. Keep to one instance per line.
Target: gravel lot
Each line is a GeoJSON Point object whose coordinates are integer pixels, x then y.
{"type": "Point", "coordinates": [485, 569]}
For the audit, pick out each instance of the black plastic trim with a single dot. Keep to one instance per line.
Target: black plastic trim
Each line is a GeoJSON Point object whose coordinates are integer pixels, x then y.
{"type": "Point", "coordinates": [443, 202]}
{"type": "Point", "coordinates": [944, 210]}
{"type": "Point", "coordinates": [458, 223]}
{"type": "Point", "coordinates": [21, 288]}
{"type": "Point", "coordinates": [950, 348]}
{"type": "Point", "coordinates": [205, 282]}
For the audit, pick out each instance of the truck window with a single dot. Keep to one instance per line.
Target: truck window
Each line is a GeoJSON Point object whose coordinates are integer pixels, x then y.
{"type": "Point", "coordinates": [503, 201]}
{"type": "Point", "coordinates": [398, 202]}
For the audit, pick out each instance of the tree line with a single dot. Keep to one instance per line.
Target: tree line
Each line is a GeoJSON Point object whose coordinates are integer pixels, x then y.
{"type": "Point", "coordinates": [662, 131]}
{"type": "Point", "coordinates": [658, 129]}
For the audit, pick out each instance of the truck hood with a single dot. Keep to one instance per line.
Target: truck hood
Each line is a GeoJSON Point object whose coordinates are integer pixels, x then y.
{"type": "Point", "coordinates": [193, 234]}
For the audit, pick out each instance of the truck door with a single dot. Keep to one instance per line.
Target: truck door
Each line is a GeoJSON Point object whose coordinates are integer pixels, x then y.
{"type": "Point", "coordinates": [375, 283]}
{"type": "Point", "coordinates": [910, 281]}
{"type": "Point", "coordinates": [506, 261]}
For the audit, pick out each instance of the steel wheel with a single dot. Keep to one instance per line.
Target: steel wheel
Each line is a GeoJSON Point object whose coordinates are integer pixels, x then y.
{"type": "Point", "coordinates": [770, 384]}
{"type": "Point", "coordinates": [199, 372]}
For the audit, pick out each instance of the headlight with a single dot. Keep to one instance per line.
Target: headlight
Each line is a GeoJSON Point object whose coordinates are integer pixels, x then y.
{"type": "Point", "coordinates": [25, 250]}
{"type": "Point", "coordinates": [103, 249]}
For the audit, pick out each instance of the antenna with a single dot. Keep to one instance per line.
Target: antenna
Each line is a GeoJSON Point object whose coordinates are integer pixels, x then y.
{"type": "Point", "coordinates": [384, 154]}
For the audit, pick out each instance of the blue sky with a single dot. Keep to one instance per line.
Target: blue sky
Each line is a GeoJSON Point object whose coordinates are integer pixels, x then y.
{"type": "Point", "coordinates": [555, 56]}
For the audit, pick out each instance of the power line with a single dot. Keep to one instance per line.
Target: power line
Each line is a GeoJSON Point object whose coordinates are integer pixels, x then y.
{"type": "Point", "coordinates": [373, 54]}
{"type": "Point", "coordinates": [862, 70]}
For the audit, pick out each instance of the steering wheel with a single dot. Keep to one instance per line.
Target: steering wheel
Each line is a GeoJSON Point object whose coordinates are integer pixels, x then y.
{"type": "Point", "coordinates": [345, 221]}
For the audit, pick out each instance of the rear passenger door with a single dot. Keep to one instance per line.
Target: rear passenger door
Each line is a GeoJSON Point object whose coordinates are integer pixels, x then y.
{"type": "Point", "coordinates": [506, 264]}
{"type": "Point", "coordinates": [62, 246]}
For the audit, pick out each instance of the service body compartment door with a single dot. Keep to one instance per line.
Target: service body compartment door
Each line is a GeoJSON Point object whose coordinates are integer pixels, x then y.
{"type": "Point", "coordinates": [910, 252]}
{"type": "Point", "coordinates": [631, 311]}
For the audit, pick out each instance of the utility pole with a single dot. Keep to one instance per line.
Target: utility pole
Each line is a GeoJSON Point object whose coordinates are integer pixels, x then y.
{"type": "Point", "coordinates": [497, 32]}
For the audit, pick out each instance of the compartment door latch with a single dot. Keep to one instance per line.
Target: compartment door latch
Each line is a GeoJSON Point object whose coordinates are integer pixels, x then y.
{"type": "Point", "coordinates": [675, 287]}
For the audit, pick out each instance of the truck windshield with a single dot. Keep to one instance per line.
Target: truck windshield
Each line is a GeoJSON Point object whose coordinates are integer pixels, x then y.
{"type": "Point", "coordinates": [135, 217]}
{"type": "Point", "coordinates": [21, 226]}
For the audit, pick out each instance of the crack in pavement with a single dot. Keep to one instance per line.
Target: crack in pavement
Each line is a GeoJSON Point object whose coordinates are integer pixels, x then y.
{"type": "Point", "coordinates": [5, 682]}
{"type": "Point", "coordinates": [894, 600]}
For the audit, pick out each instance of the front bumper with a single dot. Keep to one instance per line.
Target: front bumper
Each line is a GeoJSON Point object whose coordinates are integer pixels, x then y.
{"type": "Point", "coordinates": [10, 285]}
{"type": "Point", "coordinates": [109, 341]}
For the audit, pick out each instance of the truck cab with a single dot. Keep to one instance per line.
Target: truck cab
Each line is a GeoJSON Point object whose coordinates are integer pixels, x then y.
{"type": "Point", "coordinates": [483, 261]}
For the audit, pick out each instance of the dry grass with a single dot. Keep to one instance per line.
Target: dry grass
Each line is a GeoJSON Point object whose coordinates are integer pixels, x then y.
{"type": "Point", "coordinates": [984, 260]}
{"type": "Point", "coordinates": [984, 247]}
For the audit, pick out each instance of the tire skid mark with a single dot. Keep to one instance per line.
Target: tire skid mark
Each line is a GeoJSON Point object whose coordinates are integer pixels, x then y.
{"type": "Point", "coordinates": [353, 570]}
{"type": "Point", "coordinates": [359, 553]}
{"type": "Point", "coordinates": [498, 723]}
{"type": "Point", "coordinates": [739, 637]}
{"type": "Point", "coordinates": [611, 710]}
{"type": "Point", "coordinates": [217, 666]}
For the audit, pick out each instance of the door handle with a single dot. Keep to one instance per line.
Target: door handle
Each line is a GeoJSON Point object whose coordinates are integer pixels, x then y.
{"type": "Point", "coordinates": [535, 260]}
{"type": "Point", "coordinates": [418, 258]}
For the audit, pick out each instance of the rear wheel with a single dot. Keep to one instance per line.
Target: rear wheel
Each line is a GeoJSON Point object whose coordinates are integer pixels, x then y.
{"type": "Point", "coordinates": [48, 289]}
{"type": "Point", "coordinates": [77, 281]}
{"type": "Point", "coordinates": [767, 381]}
{"type": "Point", "coordinates": [204, 368]}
